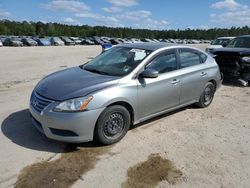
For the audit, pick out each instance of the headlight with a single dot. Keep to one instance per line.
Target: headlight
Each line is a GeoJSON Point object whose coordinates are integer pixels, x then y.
{"type": "Point", "coordinates": [246, 59]}
{"type": "Point", "coordinates": [73, 105]}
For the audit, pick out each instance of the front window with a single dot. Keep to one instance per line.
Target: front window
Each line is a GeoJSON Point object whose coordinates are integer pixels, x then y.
{"type": "Point", "coordinates": [241, 42]}
{"type": "Point", "coordinates": [118, 61]}
{"type": "Point", "coordinates": [164, 63]}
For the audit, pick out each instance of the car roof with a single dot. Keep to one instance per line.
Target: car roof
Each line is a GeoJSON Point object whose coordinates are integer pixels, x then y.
{"type": "Point", "coordinates": [153, 46]}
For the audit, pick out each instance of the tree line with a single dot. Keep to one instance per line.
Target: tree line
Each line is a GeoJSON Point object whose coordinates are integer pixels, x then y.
{"type": "Point", "coordinates": [25, 28]}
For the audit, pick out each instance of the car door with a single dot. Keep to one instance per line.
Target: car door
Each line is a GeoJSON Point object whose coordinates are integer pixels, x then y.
{"type": "Point", "coordinates": [163, 92]}
{"type": "Point", "coordinates": [194, 74]}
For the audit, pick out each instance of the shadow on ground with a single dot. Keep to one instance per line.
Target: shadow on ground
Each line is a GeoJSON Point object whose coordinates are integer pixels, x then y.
{"type": "Point", "coordinates": [227, 81]}
{"type": "Point", "coordinates": [20, 130]}
{"type": "Point", "coordinates": [162, 116]}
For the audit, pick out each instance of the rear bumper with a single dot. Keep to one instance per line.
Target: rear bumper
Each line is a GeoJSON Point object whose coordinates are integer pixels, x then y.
{"type": "Point", "coordinates": [67, 127]}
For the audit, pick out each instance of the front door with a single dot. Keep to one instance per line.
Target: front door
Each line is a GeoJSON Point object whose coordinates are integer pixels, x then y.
{"type": "Point", "coordinates": [163, 92]}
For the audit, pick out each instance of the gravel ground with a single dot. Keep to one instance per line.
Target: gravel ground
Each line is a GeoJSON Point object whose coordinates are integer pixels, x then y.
{"type": "Point", "coordinates": [196, 147]}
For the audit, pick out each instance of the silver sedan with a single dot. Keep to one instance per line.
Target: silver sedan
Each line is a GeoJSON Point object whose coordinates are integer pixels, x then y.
{"type": "Point", "coordinates": [121, 87]}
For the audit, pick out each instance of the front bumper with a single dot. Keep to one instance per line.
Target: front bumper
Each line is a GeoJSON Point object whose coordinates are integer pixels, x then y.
{"type": "Point", "coordinates": [68, 127]}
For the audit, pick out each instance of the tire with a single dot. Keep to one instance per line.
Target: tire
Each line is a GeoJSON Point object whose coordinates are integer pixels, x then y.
{"type": "Point", "coordinates": [112, 125]}
{"type": "Point", "coordinates": [207, 95]}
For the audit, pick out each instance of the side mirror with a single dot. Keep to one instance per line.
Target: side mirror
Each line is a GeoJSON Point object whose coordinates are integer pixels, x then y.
{"type": "Point", "coordinates": [224, 44]}
{"type": "Point", "coordinates": [149, 73]}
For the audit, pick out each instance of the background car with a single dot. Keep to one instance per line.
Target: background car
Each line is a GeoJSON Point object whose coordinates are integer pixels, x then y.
{"type": "Point", "coordinates": [12, 41]}
{"type": "Point", "coordinates": [218, 43]}
{"type": "Point", "coordinates": [67, 41]}
{"type": "Point", "coordinates": [87, 41]}
{"type": "Point", "coordinates": [1, 44]}
{"type": "Point", "coordinates": [234, 60]}
{"type": "Point", "coordinates": [101, 99]}
{"type": "Point", "coordinates": [44, 42]}
{"type": "Point", "coordinates": [106, 46]}
{"type": "Point", "coordinates": [29, 42]}
{"type": "Point", "coordinates": [77, 40]}
{"type": "Point", "coordinates": [115, 41]}
{"type": "Point", "coordinates": [56, 41]}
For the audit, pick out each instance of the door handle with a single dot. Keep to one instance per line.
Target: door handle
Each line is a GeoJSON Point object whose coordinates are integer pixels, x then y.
{"type": "Point", "coordinates": [203, 73]}
{"type": "Point", "coordinates": [175, 81]}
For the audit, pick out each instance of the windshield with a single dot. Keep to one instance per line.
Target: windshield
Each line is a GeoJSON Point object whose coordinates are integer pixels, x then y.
{"type": "Point", "coordinates": [220, 41]}
{"type": "Point", "coordinates": [241, 42]}
{"type": "Point", "coordinates": [118, 61]}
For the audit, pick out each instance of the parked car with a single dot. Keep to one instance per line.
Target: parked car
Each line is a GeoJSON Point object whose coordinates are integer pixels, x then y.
{"type": "Point", "coordinates": [115, 41]}
{"type": "Point", "coordinates": [147, 40]}
{"type": "Point", "coordinates": [56, 41]}
{"type": "Point", "coordinates": [105, 41]}
{"type": "Point", "coordinates": [218, 43]}
{"type": "Point", "coordinates": [106, 46]}
{"type": "Point", "coordinates": [76, 40]}
{"type": "Point", "coordinates": [1, 44]}
{"type": "Point", "coordinates": [87, 42]}
{"type": "Point", "coordinates": [44, 42]}
{"type": "Point", "coordinates": [134, 40]}
{"type": "Point", "coordinates": [234, 60]}
{"type": "Point", "coordinates": [29, 42]}
{"type": "Point", "coordinates": [68, 41]}
{"type": "Point", "coordinates": [123, 86]}
{"type": "Point", "coordinates": [13, 41]}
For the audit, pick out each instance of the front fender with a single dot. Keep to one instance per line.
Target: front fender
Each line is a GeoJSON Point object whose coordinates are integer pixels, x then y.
{"type": "Point", "coordinates": [118, 93]}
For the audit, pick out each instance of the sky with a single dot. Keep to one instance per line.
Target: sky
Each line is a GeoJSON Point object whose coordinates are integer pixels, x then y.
{"type": "Point", "coordinates": [148, 14]}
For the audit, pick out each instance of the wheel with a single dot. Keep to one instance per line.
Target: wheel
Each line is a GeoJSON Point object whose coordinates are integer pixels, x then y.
{"type": "Point", "coordinates": [207, 95]}
{"type": "Point", "coordinates": [112, 125]}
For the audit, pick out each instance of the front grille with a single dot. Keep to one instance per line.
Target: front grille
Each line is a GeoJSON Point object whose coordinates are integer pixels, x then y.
{"type": "Point", "coordinates": [61, 132]}
{"type": "Point", "coordinates": [228, 64]}
{"type": "Point", "coordinates": [38, 102]}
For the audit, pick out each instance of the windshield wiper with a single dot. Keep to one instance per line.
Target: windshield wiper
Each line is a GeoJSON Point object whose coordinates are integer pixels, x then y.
{"type": "Point", "coordinates": [95, 71]}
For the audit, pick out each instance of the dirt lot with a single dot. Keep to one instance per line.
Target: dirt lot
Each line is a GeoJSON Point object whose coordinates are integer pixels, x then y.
{"type": "Point", "coordinates": [188, 148]}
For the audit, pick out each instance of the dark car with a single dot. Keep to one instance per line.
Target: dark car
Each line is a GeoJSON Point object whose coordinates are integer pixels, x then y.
{"type": "Point", "coordinates": [13, 41]}
{"type": "Point", "coordinates": [234, 60]}
{"type": "Point", "coordinates": [97, 40]}
{"type": "Point", "coordinates": [29, 42]}
{"type": "Point", "coordinates": [68, 41]}
{"type": "Point", "coordinates": [115, 41]}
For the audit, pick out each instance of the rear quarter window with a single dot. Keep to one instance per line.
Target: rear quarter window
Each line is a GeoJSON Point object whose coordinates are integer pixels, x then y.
{"type": "Point", "coordinates": [190, 58]}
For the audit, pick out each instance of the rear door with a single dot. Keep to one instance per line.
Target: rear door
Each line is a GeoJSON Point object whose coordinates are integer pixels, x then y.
{"type": "Point", "coordinates": [163, 92]}
{"type": "Point", "coordinates": [194, 74]}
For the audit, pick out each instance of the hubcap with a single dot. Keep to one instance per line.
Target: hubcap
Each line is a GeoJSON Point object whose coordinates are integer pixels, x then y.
{"type": "Point", "coordinates": [208, 95]}
{"type": "Point", "coordinates": [114, 125]}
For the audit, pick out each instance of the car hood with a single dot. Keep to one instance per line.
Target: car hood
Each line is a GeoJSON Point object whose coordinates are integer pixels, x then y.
{"type": "Point", "coordinates": [72, 83]}
{"type": "Point", "coordinates": [232, 51]}
{"type": "Point", "coordinates": [214, 46]}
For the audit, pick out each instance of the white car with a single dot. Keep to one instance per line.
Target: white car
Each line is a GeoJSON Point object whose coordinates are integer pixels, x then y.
{"type": "Point", "coordinates": [218, 43]}
{"type": "Point", "coordinates": [1, 44]}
